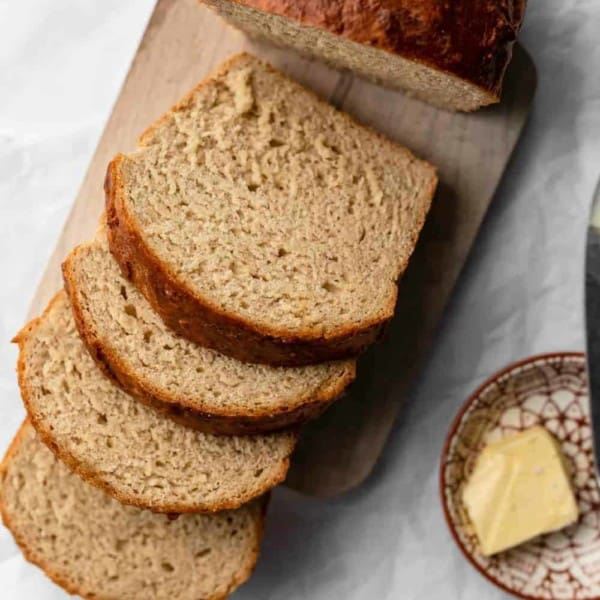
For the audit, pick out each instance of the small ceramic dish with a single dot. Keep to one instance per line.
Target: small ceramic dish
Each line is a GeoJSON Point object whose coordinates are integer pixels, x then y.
{"type": "Point", "coordinates": [550, 390]}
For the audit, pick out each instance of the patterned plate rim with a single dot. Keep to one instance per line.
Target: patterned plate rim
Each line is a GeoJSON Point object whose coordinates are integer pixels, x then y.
{"type": "Point", "coordinates": [456, 423]}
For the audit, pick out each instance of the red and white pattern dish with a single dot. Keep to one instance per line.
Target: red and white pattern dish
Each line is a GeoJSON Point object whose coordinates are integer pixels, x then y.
{"type": "Point", "coordinates": [550, 390]}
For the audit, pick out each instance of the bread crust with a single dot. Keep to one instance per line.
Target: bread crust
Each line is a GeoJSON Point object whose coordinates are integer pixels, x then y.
{"type": "Point", "coordinates": [468, 39]}
{"type": "Point", "coordinates": [93, 478]}
{"type": "Point", "coordinates": [218, 420]}
{"type": "Point", "coordinates": [75, 589]}
{"type": "Point", "coordinates": [194, 317]}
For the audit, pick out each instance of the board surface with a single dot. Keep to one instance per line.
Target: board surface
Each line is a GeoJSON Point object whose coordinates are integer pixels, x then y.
{"type": "Point", "coordinates": [183, 42]}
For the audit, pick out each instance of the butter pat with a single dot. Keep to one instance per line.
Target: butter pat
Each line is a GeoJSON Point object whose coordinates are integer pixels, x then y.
{"type": "Point", "coordinates": [520, 489]}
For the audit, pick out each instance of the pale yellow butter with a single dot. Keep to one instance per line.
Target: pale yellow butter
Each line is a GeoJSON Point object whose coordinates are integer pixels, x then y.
{"type": "Point", "coordinates": [520, 489]}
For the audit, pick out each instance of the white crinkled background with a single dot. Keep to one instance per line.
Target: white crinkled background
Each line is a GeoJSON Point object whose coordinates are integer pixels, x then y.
{"type": "Point", "coordinates": [61, 65]}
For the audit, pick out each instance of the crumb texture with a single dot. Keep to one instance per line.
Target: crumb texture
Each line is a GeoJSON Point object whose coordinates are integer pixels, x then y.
{"type": "Point", "coordinates": [451, 54]}
{"type": "Point", "coordinates": [271, 206]}
{"type": "Point", "coordinates": [174, 370]}
{"type": "Point", "coordinates": [98, 548]}
{"type": "Point", "coordinates": [128, 449]}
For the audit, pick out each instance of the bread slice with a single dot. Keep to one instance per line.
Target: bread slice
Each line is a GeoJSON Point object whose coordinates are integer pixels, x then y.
{"type": "Point", "coordinates": [194, 385]}
{"type": "Point", "coordinates": [450, 54]}
{"type": "Point", "coordinates": [129, 450]}
{"type": "Point", "coordinates": [259, 221]}
{"type": "Point", "coordinates": [93, 546]}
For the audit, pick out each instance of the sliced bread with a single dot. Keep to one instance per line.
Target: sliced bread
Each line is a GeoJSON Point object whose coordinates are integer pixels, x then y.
{"type": "Point", "coordinates": [93, 546]}
{"type": "Point", "coordinates": [129, 450]}
{"type": "Point", "coordinates": [259, 221]}
{"type": "Point", "coordinates": [191, 384]}
{"type": "Point", "coordinates": [450, 54]}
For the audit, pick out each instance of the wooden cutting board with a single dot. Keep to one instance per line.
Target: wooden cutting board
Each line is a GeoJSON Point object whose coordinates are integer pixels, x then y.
{"type": "Point", "coordinates": [182, 44]}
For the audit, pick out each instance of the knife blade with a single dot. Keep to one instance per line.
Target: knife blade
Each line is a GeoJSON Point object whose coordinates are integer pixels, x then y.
{"type": "Point", "coordinates": [592, 319]}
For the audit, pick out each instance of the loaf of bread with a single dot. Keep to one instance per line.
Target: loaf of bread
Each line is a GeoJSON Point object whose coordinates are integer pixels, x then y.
{"type": "Point", "coordinates": [450, 54]}
{"type": "Point", "coordinates": [127, 449]}
{"type": "Point", "coordinates": [191, 384]}
{"type": "Point", "coordinates": [261, 222]}
{"type": "Point", "coordinates": [93, 546]}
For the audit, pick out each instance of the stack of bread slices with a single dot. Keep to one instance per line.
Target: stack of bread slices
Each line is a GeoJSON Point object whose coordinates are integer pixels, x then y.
{"type": "Point", "coordinates": [250, 250]}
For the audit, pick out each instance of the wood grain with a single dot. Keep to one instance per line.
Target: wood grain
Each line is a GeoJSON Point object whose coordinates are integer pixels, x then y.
{"type": "Point", "coordinates": [471, 152]}
{"type": "Point", "coordinates": [182, 44]}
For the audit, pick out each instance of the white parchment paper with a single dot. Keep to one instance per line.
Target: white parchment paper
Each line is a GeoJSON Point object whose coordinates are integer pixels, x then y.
{"type": "Point", "coordinates": [61, 65]}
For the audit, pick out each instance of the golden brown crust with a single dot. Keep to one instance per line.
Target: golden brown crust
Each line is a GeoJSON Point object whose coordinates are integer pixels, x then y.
{"type": "Point", "coordinates": [76, 589]}
{"type": "Point", "coordinates": [12, 448]}
{"type": "Point", "coordinates": [195, 318]}
{"type": "Point", "coordinates": [226, 421]}
{"type": "Point", "coordinates": [93, 478]}
{"type": "Point", "coordinates": [29, 554]}
{"type": "Point", "coordinates": [470, 39]}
